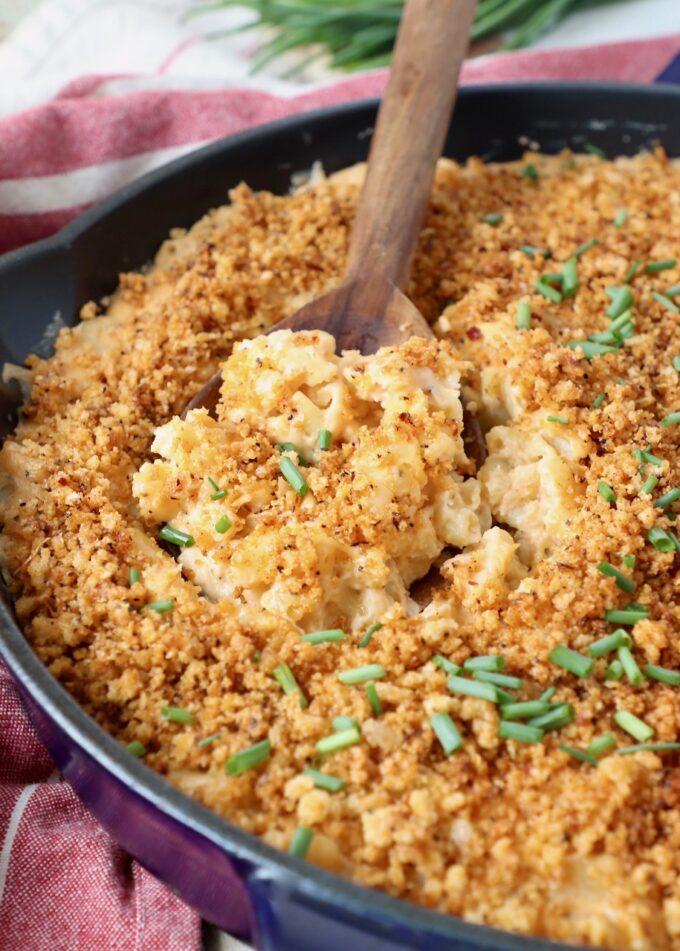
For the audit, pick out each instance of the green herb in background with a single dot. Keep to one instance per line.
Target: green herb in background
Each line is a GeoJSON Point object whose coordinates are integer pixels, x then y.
{"type": "Point", "coordinates": [360, 34]}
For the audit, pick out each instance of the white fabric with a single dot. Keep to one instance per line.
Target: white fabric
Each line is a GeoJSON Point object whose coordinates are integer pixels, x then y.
{"type": "Point", "coordinates": [60, 40]}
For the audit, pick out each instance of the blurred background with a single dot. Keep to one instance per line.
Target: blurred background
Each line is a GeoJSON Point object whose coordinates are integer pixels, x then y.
{"type": "Point", "coordinates": [277, 45]}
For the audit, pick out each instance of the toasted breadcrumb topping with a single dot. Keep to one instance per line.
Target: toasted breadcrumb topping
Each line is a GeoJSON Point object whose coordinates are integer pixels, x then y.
{"type": "Point", "coordinates": [520, 836]}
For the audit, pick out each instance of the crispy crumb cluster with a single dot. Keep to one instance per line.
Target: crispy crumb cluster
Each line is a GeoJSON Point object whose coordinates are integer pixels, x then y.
{"type": "Point", "coordinates": [517, 835]}
{"type": "Point", "coordinates": [373, 511]}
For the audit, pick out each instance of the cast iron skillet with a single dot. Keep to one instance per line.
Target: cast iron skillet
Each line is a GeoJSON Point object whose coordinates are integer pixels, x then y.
{"type": "Point", "coordinates": [229, 876]}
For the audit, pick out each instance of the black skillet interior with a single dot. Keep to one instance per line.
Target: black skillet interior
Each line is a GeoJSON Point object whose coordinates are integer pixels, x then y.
{"type": "Point", "coordinates": [55, 277]}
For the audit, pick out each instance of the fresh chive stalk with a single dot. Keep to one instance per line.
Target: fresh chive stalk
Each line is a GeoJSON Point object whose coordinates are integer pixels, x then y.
{"type": "Point", "coordinates": [446, 665]}
{"type": "Point", "coordinates": [563, 420]}
{"type": "Point", "coordinates": [446, 732]}
{"type": "Point", "coordinates": [291, 447]}
{"type": "Point", "coordinates": [648, 747]}
{"type": "Point", "coordinates": [223, 524]}
{"type": "Point", "coordinates": [324, 440]}
{"type": "Point", "coordinates": [631, 272]}
{"type": "Point", "coordinates": [359, 675]}
{"type": "Point", "coordinates": [606, 491]}
{"type": "Point", "coordinates": [654, 267]}
{"type": "Point", "coordinates": [495, 218]}
{"type": "Point", "coordinates": [531, 172]}
{"type": "Point", "coordinates": [666, 302]}
{"type": "Point", "coordinates": [621, 218]}
{"type": "Point", "coordinates": [339, 740]}
{"type": "Point", "coordinates": [586, 246]}
{"type": "Point", "coordinates": [662, 674]}
{"type": "Point", "coordinates": [612, 642]}
{"type": "Point", "coordinates": [560, 714]}
{"type": "Point", "coordinates": [162, 606]}
{"type": "Point", "coordinates": [570, 281]}
{"type": "Point", "coordinates": [571, 661]}
{"type": "Point", "coordinates": [626, 615]}
{"type": "Point", "coordinates": [621, 302]}
{"type": "Point", "coordinates": [581, 755]}
{"type": "Point", "coordinates": [472, 688]}
{"type": "Point", "coordinates": [598, 401]}
{"type": "Point", "coordinates": [601, 745]}
{"type": "Point", "coordinates": [286, 678]}
{"type": "Point", "coordinates": [524, 709]}
{"type": "Point", "coordinates": [623, 581]}
{"type": "Point", "coordinates": [373, 698]}
{"type": "Point", "coordinates": [665, 500]}
{"type": "Point", "coordinates": [630, 667]}
{"type": "Point", "coordinates": [499, 680]}
{"type": "Point", "coordinates": [177, 715]}
{"type": "Point", "coordinates": [672, 419]}
{"type": "Point", "coordinates": [649, 485]}
{"type": "Point", "coordinates": [614, 671]}
{"type": "Point", "coordinates": [324, 637]}
{"type": "Point", "coordinates": [521, 732]}
{"type": "Point", "coordinates": [249, 757]}
{"type": "Point", "coordinates": [176, 536]}
{"type": "Point", "coordinates": [523, 316]}
{"type": "Point", "coordinates": [660, 539]}
{"type": "Point", "coordinates": [301, 842]}
{"type": "Point", "coordinates": [486, 662]}
{"type": "Point", "coordinates": [293, 476]}
{"type": "Point", "coordinates": [217, 493]}
{"type": "Point", "coordinates": [323, 780]}
{"type": "Point", "coordinates": [366, 639]}
{"type": "Point", "coordinates": [637, 728]}
{"type": "Point", "coordinates": [209, 740]}
{"type": "Point", "coordinates": [136, 748]}
{"type": "Point", "coordinates": [548, 291]}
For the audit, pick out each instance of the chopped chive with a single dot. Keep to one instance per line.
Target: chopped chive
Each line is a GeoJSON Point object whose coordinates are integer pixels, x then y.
{"type": "Point", "coordinates": [649, 485]}
{"type": "Point", "coordinates": [360, 674]}
{"type": "Point", "coordinates": [630, 667]}
{"type": "Point", "coordinates": [667, 499]}
{"type": "Point", "coordinates": [223, 524]}
{"type": "Point", "coordinates": [623, 581]}
{"type": "Point", "coordinates": [590, 348]}
{"type": "Point", "coordinates": [324, 439]}
{"type": "Point", "coordinates": [135, 575]}
{"type": "Point", "coordinates": [136, 748]}
{"type": "Point", "coordinates": [323, 780]}
{"type": "Point", "coordinates": [499, 680]}
{"type": "Point", "coordinates": [560, 715]}
{"type": "Point", "coordinates": [612, 642]}
{"type": "Point", "coordinates": [286, 678]}
{"type": "Point", "coordinates": [301, 842]}
{"type": "Point", "coordinates": [486, 662]}
{"type": "Point", "coordinates": [339, 740]}
{"type": "Point", "coordinates": [606, 491]}
{"type": "Point", "coordinates": [644, 455]}
{"type": "Point", "coordinates": [366, 639]}
{"type": "Point", "coordinates": [446, 732]}
{"type": "Point", "coordinates": [373, 698]}
{"type": "Point", "coordinates": [494, 218]}
{"type": "Point", "coordinates": [209, 740]}
{"type": "Point", "coordinates": [660, 539]}
{"type": "Point", "coordinates": [650, 747]}
{"type": "Point", "coordinates": [621, 302]}
{"type": "Point", "coordinates": [531, 251]}
{"type": "Point", "coordinates": [631, 272]}
{"type": "Point", "coordinates": [521, 732]}
{"type": "Point", "coordinates": [162, 606]}
{"type": "Point", "coordinates": [629, 561]}
{"type": "Point", "coordinates": [586, 246]}
{"type": "Point", "coordinates": [176, 536]}
{"type": "Point", "coordinates": [552, 277]}
{"type": "Point", "coordinates": [547, 291]}
{"type": "Point", "coordinates": [654, 672]}
{"type": "Point", "coordinates": [502, 695]}
{"type": "Point", "coordinates": [571, 661]}
{"type": "Point", "coordinates": [581, 755]}
{"type": "Point", "coordinates": [671, 420]}
{"type": "Point", "coordinates": [594, 150]}
{"type": "Point", "coordinates": [637, 728]}
{"type": "Point", "coordinates": [598, 401]}
{"type": "Point", "coordinates": [341, 723]}
{"type": "Point", "coordinates": [524, 709]}
{"type": "Point", "coordinates": [530, 171]}
{"type": "Point", "coordinates": [177, 715]}
{"type": "Point", "coordinates": [291, 447]}
{"type": "Point", "coordinates": [249, 757]}
{"type": "Point", "coordinates": [601, 744]}
{"type": "Point", "coordinates": [614, 671]}
{"type": "Point", "coordinates": [557, 419]}
{"type": "Point", "coordinates": [217, 493]}
{"type": "Point", "coordinates": [472, 688]}
{"type": "Point", "coordinates": [666, 302]}
{"type": "Point", "coordinates": [625, 615]}
{"type": "Point", "coordinates": [257, 655]}
{"type": "Point", "coordinates": [293, 476]}
{"type": "Point", "coordinates": [325, 637]}
{"type": "Point", "coordinates": [570, 281]}
{"type": "Point", "coordinates": [621, 218]}
{"type": "Point", "coordinates": [446, 665]}
{"type": "Point", "coordinates": [548, 693]}
{"type": "Point", "coordinates": [676, 360]}
{"type": "Point", "coordinates": [523, 316]}
{"type": "Point", "coordinates": [655, 266]}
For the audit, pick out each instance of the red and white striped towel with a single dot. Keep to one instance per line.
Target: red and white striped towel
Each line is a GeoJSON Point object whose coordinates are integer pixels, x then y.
{"type": "Point", "coordinates": [64, 885]}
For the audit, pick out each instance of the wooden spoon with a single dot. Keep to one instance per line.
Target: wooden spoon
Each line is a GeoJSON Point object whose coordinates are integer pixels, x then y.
{"type": "Point", "coordinates": [369, 310]}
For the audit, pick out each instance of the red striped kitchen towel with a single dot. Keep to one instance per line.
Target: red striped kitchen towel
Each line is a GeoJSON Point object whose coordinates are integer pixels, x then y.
{"type": "Point", "coordinates": [58, 158]}
{"type": "Point", "coordinates": [64, 885]}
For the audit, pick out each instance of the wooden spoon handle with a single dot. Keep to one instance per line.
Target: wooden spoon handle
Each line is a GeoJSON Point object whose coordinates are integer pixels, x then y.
{"type": "Point", "coordinates": [409, 136]}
